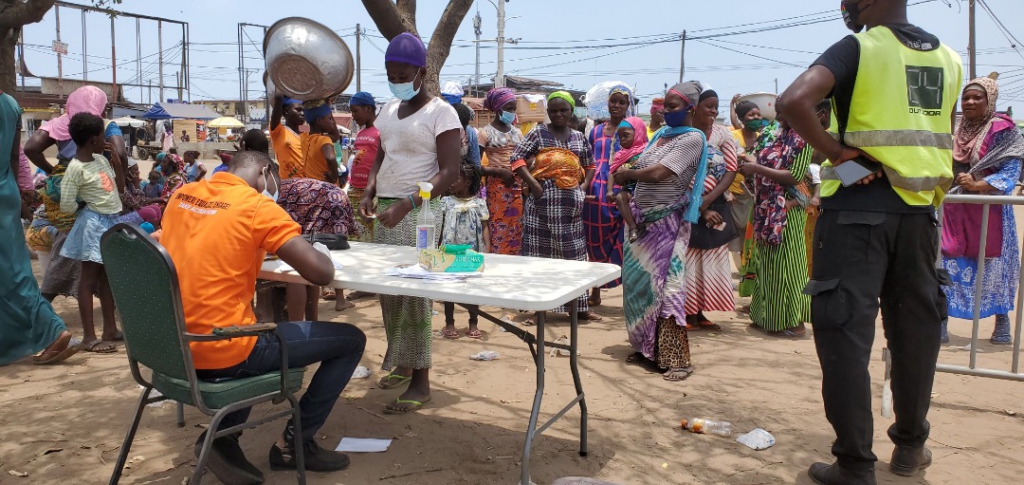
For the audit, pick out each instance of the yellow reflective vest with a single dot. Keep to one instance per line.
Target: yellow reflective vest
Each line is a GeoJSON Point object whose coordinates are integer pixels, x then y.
{"type": "Point", "coordinates": [901, 113]}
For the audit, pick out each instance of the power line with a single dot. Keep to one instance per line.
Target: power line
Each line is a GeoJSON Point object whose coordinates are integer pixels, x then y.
{"type": "Point", "coordinates": [1002, 28]}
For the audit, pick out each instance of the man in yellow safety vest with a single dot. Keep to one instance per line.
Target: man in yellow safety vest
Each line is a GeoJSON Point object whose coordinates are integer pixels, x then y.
{"type": "Point", "coordinates": [894, 89]}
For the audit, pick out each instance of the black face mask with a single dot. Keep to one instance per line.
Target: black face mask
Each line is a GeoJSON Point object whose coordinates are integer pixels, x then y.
{"type": "Point", "coordinates": [851, 15]}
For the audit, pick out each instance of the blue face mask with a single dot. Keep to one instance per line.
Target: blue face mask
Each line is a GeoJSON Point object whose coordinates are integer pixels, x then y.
{"type": "Point", "coordinates": [507, 117]}
{"type": "Point", "coordinates": [405, 91]}
{"type": "Point", "coordinates": [675, 119]}
{"type": "Point", "coordinates": [267, 193]}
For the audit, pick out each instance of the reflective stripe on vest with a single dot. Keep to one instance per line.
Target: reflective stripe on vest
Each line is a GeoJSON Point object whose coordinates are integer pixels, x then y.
{"type": "Point", "coordinates": [901, 113]}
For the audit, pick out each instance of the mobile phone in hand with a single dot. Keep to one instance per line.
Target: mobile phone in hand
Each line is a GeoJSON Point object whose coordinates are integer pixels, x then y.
{"type": "Point", "coordinates": [853, 171]}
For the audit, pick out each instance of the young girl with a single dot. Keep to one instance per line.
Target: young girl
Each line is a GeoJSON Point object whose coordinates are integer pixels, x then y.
{"type": "Point", "coordinates": [194, 169]}
{"type": "Point", "coordinates": [632, 135]}
{"type": "Point", "coordinates": [465, 222]}
{"type": "Point", "coordinates": [153, 187]}
{"type": "Point", "coordinates": [91, 186]}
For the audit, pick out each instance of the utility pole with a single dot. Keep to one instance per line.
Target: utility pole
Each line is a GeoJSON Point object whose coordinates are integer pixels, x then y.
{"type": "Point", "coordinates": [359, 59]}
{"type": "Point", "coordinates": [973, 49]}
{"type": "Point", "coordinates": [499, 79]}
{"type": "Point", "coordinates": [682, 57]}
{"type": "Point", "coordinates": [160, 46]}
{"type": "Point", "coordinates": [477, 24]}
{"type": "Point", "coordinates": [150, 101]}
{"type": "Point", "coordinates": [138, 56]}
{"type": "Point", "coordinates": [85, 50]}
{"type": "Point", "coordinates": [60, 63]}
{"type": "Point", "coordinates": [113, 62]}
{"type": "Point", "coordinates": [177, 76]}
{"type": "Point", "coordinates": [776, 85]}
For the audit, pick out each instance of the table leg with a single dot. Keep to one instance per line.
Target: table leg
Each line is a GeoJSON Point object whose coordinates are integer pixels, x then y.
{"type": "Point", "coordinates": [537, 397]}
{"type": "Point", "coordinates": [573, 358]}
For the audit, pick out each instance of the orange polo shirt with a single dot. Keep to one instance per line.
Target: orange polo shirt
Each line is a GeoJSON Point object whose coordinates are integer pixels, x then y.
{"type": "Point", "coordinates": [217, 232]}
{"type": "Point", "coordinates": [288, 150]}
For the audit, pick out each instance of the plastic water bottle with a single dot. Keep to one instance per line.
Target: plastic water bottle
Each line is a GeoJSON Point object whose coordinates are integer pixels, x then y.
{"type": "Point", "coordinates": [702, 426]}
{"type": "Point", "coordinates": [425, 222]}
{"type": "Point", "coordinates": [485, 355]}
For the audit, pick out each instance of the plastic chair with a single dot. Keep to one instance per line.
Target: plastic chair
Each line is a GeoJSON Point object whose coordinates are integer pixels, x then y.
{"type": "Point", "coordinates": [145, 287]}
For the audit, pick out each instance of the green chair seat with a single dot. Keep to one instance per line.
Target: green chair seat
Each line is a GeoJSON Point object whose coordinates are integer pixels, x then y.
{"type": "Point", "coordinates": [217, 395]}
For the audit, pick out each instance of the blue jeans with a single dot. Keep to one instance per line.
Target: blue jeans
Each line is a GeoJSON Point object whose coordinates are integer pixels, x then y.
{"type": "Point", "coordinates": [337, 346]}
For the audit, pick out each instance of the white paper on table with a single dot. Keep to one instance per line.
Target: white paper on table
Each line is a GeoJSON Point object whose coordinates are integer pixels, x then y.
{"type": "Point", "coordinates": [418, 272]}
{"type": "Point", "coordinates": [363, 445]}
{"type": "Point", "coordinates": [278, 266]}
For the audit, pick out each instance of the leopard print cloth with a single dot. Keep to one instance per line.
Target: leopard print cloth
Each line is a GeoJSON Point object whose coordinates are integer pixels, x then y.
{"type": "Point", "coordinates": [673, 345]}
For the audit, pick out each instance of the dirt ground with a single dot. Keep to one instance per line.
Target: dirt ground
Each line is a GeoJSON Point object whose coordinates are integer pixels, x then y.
{"type": "Point", "coordinates": [65, 424]}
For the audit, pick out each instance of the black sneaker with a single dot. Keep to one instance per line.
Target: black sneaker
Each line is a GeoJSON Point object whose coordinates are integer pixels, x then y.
{"type": "Point", "coordinates": [227, 461]}
{"type": "Point", "coordinates": [907, 461]}
{"type": "Point", "coordinates": [825, 474]}
{"type": "Point", "coordinates": [317, 459]}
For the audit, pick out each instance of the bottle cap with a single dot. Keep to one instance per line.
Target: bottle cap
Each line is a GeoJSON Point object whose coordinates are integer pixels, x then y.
{"type": "Point", "coordinates": [425, 189]}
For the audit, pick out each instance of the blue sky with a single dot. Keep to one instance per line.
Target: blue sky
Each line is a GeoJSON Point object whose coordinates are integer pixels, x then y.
{"type": "Point", "coordinates": [562, 40]}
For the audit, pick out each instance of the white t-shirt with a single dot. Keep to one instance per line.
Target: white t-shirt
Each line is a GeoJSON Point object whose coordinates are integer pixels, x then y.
{"type": "Point", "coordinates": [410, 146]}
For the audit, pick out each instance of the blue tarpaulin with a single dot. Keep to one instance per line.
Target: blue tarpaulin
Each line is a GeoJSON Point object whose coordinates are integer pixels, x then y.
{"type": "Point", "coordinates": [180, 111]}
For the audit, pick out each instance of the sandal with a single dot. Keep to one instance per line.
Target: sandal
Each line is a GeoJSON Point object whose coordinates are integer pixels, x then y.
{"type": "Point", "coordinates": [74, 345]}
{"type": "Point", "coordinates": [589, 317]}
{"type": "Point", "coordinates": [118, 337]}
{"type": "Point", "coordinates": [673, 375]}
{"type": "Point", "coordinates": [703, 325]}
{"type": "Point", "coordinates": [327, 294]}
{"type": "Point", "coordinates": [416, 406]}
{"type": "Point", "coordinates": [636, 358]}
{"type": "Point", "coordinates": [384, 382]}
{"type": "Point", "coordinates": [787, 333]}
{"type": "Point", "coordinates": [450, 334]}
{"type": "Point", "coordinates": [475, 334]}
{"type": "Point", "coordinates": [105, 347]}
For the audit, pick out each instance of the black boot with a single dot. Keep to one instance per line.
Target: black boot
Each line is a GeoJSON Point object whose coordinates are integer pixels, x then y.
{"type": "Point", "coordinates": [1001, 333]}
{"type": "Point", "coordinates": [227, 461]}
{"type": "Point", "coordinates": [907, 461]}
{"type": "Point", "coordinates": [825, 474]}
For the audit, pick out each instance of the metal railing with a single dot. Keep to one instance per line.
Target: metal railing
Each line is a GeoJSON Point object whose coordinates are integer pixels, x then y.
{"type": "Point", "coordinates": [1014, 374]}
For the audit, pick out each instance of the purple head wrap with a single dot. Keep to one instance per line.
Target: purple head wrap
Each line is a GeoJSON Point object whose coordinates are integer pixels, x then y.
{"type": "Point", "coordinates": [497, 98]}
{"type": "Point", "coordinates": [408, 48]}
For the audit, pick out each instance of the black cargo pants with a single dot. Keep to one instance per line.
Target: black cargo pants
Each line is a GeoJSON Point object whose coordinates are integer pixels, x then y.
{"type": "Point", "coordinates": [863, 261]}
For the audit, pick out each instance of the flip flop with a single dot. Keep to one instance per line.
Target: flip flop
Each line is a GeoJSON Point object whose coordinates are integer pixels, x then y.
{"type": "Point", "coordinates": [475, 334]}
{"type": "Point", "coordinates": [74, 345]}
{"type": "Point", "coordinates": [327, 294]}
{"type": "Point", "coordinates": [704, 325]}
{"type": "Point", "coordinates": [383, 384]}
{"type": "Point", "coordinates": [589, 317]}
{"type": "Point", "coordinates": [689, 372]}
{"type": "Point", "coordinates": [450, 334]}
{"type": "Point", "coordinates": [417, 405]}
{"type": "Point", "coordinates": [118, 337]}
{"type": "Point", "coordinates": [91, 347]}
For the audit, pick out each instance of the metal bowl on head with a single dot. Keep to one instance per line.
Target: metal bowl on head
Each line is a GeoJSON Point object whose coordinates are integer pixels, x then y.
{"type": "Point", "coordinates": [765, 103]}
{"type": "Point", "coordinates": [306, 60]}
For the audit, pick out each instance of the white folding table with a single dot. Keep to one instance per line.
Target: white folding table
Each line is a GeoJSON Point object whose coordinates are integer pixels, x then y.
{"type": "Point", "coordinates": [513, 282]}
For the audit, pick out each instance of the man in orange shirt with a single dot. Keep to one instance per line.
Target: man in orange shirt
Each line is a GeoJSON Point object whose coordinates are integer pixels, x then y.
{"type": "Point", "coordinates": [286, 137]}
{"type": "Point", "coordinates": [218, 232]}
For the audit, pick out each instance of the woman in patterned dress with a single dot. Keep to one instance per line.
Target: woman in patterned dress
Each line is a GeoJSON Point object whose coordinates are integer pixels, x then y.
{"type": "Point", "coordinates": [601, 218]}
{"type": "Point", "coordinates": [987, 154]}
{"type": "Point", "coordinates": [778, 254]}
{"type": "Point", "coordinates": [553, 219]}
{"type": "Point", "coordinates": [504, 193]}
{"type": "Point", "coordinates": [708, 275]}
{"type": "Point", "coordinates": [654, 265]}
{"type": "Point", "coordinates": [322, 208]}
{"type": "Point", "coordinates": [420, 139]}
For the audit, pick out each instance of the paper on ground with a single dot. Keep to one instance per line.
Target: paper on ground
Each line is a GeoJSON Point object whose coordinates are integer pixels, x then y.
{"type": "Point", "coordinates": [363, 445]}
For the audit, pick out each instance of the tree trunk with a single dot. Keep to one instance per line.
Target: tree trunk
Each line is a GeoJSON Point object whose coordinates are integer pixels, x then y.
{"type": "Point", "coordinates": [394, 17]}
{"type": "Point", "coordinates": [13, 15]}
{"type": "Point", "coordinates": [8, 44]}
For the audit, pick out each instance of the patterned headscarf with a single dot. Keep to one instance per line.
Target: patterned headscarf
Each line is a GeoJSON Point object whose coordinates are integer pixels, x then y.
{"type": "Point", "coordinates": [625, 91]}
{"type": "Point", "coordinates": [969, 132]}
{"type": "Point", "coordinates": [314, 110]}
{"type": "Point", "coordinates": [86, 99]}
{"type": "Point", "coordinates": [639, 142]}
{"type": "Point", "coordinates": [563, 96]}
{"type": "Point", "coordinates": [497, 98]}
{"type": "Point", "coordinates": [657, 105]}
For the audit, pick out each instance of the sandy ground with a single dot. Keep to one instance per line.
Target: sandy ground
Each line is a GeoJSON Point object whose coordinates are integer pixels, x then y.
{"type": "Point", "coordinates": [65, 424]}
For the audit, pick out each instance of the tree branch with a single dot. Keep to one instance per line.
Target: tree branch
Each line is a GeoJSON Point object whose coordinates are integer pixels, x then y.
{"type": "Point", "coordinates": [14, 14]}
{"type": "Point", "coordinates": [447, 27]}
{"type": "Point", "coordinates": [407, 8]}
{"type": "Point", "coordinates": [389, 19]}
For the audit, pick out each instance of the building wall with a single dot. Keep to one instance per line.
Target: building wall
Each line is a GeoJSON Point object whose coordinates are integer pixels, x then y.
{"type": "Point", "coordinates": [232, 107]}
